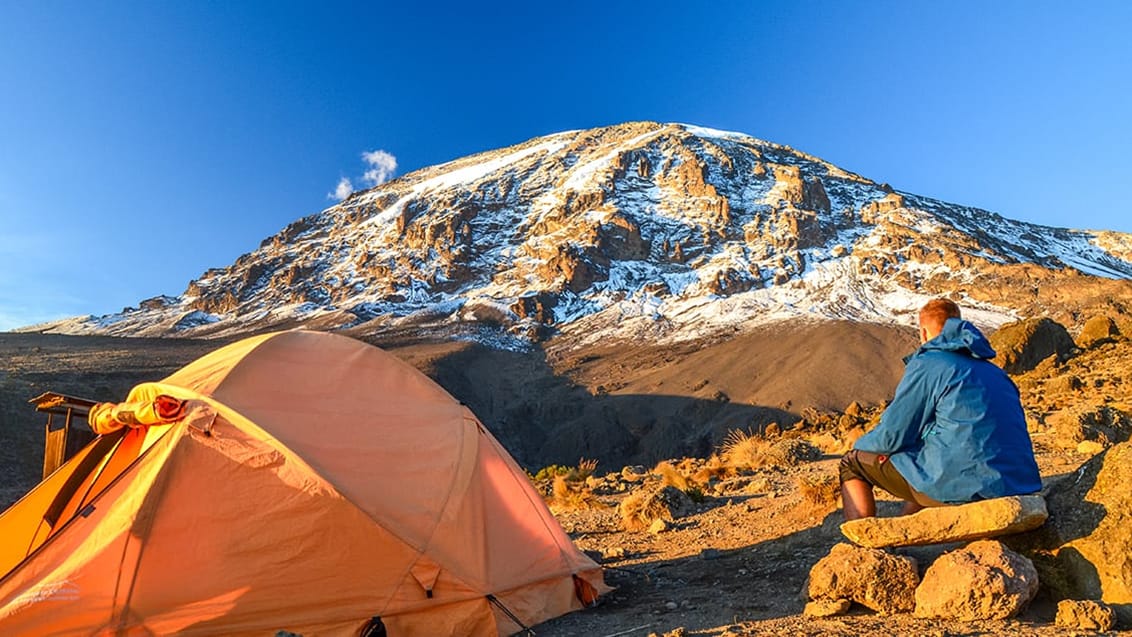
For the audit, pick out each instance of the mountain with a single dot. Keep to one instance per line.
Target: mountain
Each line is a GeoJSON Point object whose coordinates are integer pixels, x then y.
{"type": "Point", "coordinates": [665, 232]}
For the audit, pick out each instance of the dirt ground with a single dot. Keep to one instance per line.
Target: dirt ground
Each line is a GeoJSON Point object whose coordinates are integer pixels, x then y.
{"type": "Point", "coordinates": [738, 566]}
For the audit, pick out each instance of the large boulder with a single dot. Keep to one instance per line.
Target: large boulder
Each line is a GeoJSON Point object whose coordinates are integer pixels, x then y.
{"type": "Point", "coordinates": [983, 580]}
{"type": "Point", "coordinates": [1084, 550]}
{"type": "Point", "coordinates": [870, 577]}
{"type": "Point", "coordinates": [1098, 331]}
{"type": "Point", "coordinates": [1023, 344]}
{"type": "Point", "coordinates": [940, 525]}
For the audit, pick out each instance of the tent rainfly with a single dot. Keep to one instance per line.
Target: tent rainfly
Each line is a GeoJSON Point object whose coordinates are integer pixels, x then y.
{"type": "Point", "coordinates": [294, 481]}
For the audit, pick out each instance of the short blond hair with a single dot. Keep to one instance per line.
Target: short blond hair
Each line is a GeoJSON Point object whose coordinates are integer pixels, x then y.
{"type": "Point", "coordinates": [936, 312]}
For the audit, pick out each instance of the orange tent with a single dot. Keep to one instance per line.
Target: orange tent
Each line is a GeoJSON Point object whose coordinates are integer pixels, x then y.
{"type": "Point", "coordinates": [308, 483]}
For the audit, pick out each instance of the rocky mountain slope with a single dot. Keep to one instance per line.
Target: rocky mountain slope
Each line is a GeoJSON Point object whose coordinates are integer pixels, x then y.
{"type": "Point", "coordinates": [667, 232]}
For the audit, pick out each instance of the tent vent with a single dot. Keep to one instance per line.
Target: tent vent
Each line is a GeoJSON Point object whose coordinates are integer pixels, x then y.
{"type": "Point", "coordinates": [507, 611]}
{"type": "Point", "coordinates": [373, 628]}
{"type": "Point", "coordinates": [87, 510]}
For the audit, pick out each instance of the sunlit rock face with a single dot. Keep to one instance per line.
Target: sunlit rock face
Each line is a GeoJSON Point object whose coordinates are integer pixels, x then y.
{"type": "Point", "coordinates": [983, 580]}
{"type": "Point", "coordinates": [664, 231]}
{"type": "Point", "coordinates": [1084, 551]}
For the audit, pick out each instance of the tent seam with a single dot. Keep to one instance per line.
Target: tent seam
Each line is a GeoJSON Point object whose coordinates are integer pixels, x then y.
{"type": "Point", "coordinates": [443, 510]}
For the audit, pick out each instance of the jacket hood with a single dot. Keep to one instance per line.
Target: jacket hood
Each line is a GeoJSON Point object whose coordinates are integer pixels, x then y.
{"type": "Point", "coordinates": [961, 337]}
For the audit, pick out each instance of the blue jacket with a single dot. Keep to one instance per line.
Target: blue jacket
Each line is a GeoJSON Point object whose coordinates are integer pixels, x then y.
{"type": "Point", "coordinates": [955, 429]}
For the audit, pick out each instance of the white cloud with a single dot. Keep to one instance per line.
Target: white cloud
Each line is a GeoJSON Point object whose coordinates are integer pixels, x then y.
{"type": "Point", "coordinates": [382, 166]}
{"type": "Point", "coordinates": [342, 190]}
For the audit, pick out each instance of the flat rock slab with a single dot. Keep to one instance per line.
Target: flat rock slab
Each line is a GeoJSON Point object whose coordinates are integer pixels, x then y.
{"type": "Point", "coordinates": [958, 523]}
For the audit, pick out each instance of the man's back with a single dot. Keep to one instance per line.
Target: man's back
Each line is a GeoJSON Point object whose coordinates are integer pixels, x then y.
{"type": "Point", "coordinates": [956, 430]}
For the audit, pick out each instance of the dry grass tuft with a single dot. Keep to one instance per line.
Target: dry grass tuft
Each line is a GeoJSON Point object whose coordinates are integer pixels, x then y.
{"type": "Point", "coordinates": [744, 450]}
{"type": "Point", "coordinates": [639, 510]}
{"type": "Point", "coordinates": [671, 476]}
{"type": "Point", "coordinates": [584, 470]}
{"type": "Point", "coordinates": [716, 468]}
{"type": "Point", "coordinates": [572, 496]}
{"type": "Point", "coordinates": [636, 514]}
{"type": "Point", "coordinates": [821, 490]}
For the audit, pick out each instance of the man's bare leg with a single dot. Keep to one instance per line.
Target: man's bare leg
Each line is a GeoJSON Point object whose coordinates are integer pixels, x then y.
{"type": "Point", "coordinates": [857, 499]}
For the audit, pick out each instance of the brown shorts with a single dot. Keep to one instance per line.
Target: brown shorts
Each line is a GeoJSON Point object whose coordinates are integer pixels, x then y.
{"type": "Point", "coordinates": [876, 470]}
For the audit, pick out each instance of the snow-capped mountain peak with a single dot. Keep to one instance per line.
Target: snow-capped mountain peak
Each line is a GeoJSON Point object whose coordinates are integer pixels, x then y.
{"type": "Point", "coordinates": [665, 231]}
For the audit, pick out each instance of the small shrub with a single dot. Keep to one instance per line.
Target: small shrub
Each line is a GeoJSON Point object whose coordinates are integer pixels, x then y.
{"type": "Point", "coordinates": [550, 472]}
{"type": "Point", "coordinates": [579, 473]}
{"type": "Point", "coordinates": [639, 510]}
{"type": "Point", "coordinates": [567, 496]}
{"type": "Point", "coordinates": [674, 477]}
{"type": "Point", "coordinates": [744, 449]}
{"type": "Point", "coordinates": [716, 468]}
{"type": "Point", "coordinates": [584, 470]}
{"type": "Point", "coordinates": [670, 475]}
{"type": "Point", "coordinates": [821, 490]}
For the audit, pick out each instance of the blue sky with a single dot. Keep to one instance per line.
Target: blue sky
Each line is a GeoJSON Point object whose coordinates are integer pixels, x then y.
{"type": "Point", "coordinates": [142, 143]}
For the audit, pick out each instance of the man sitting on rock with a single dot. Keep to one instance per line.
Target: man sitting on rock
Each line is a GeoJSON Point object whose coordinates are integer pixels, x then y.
{"type": "Point", "coordinates": [955, 431]}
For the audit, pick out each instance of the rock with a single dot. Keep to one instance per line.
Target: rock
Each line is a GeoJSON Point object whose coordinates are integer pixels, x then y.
{"type": "Point", "coordinates": [1065, 384]}
{"type": "Point", "coordinates": [659, 526]}
{"type": "Point", "coordinates": [710, 554]}
{"type": "Point", "coordinates": [671, 605]}
{"type": "Point", "coordinates": [633, 473]}
{"type": "Point", "coordinates": [872, 578]}
{"type": "Point", "coordinates": [983, 580]}
{"type": "Point", "coordinates": [791, 452]}
{"type": "Point", "coordinates": [814, 196]}
{"type": "Point", "coordinates": [614, 553]}
{"type": "Point", "coordinates": [1089, 420]}
{"type": "Point", "coordinates": [1023, 344]}
{"type": "Point", "coordinates": [959, 523]}
{"type": "Point", "coordinates": [1089, 447]}
{"type": "Point", "coordinates": [1085, 614]}
{"type": "Point", "coordinates": [1097, 331]}
{"type": "Point", "coordinates": [1084, 551]}
{"type": "Point", "coordinates": [536, 305]}
{"type": "Point", "coordinates": [827, 607]}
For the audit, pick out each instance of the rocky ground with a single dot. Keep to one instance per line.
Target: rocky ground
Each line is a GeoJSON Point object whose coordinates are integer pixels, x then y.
{"type": "Point", "coordinates": [734, 560]}
{"type": "Point", "coordinates": [737, 564]}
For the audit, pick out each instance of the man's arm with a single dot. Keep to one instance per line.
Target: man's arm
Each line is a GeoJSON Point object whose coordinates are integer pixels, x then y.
{"type": "Point", "coordinates": [903, 420]}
